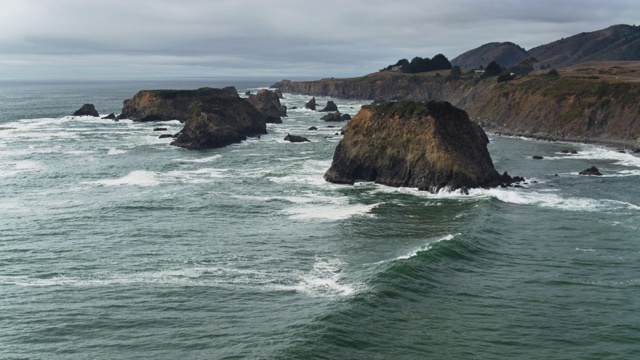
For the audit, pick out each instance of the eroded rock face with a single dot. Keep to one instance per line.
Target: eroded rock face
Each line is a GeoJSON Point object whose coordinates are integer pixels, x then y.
{"type": "Point", "coordinates": [162, 105]}
{"type": "Point", "coordinates": [219, 120]}
{"type": "Point", "coordinates": [311, 104]}
{"type": "Point", "coordinates": [268, 103]}
{"type": "Point", "coordinates": [428, 145]}
{"type": "Point", "coordinates": [331, 106]}
{"type": "Point", "coordinates": [87, 110]}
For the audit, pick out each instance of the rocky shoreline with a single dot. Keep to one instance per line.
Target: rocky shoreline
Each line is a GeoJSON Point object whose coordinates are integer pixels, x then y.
{"type": "Point", "coordinates": [544, 107]}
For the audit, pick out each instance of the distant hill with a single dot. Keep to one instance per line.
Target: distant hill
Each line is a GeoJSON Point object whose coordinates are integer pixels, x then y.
{"type": "Point", "coordinates": [615, 43]}
{"type": "Point", "coordinates": [506, 54]}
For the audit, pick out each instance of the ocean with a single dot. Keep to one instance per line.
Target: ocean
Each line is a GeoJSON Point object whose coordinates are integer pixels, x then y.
{"type": "Point", "coordinates": [114, 244]}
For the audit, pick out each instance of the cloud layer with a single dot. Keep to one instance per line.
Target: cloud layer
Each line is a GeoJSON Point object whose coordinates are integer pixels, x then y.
{"type": "Point", "coordinates": [156, 38]}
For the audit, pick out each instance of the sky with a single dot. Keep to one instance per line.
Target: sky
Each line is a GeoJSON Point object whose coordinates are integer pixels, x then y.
{"type": "Point", "coordinates": [133, 39]}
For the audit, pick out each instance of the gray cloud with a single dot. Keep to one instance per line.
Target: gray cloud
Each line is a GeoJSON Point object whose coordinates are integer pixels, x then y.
{"type": "Point", "coordinates": [278, 37]}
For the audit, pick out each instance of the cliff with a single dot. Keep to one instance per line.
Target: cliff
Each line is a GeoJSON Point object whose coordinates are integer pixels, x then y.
{"type": "Point", "coordinates": [593, 104]}
{"type": "Point", "coordinates": [431, 146]}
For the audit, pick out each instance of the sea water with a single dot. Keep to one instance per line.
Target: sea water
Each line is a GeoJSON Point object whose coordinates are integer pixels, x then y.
{"type": "Point", "coordinates": [114, 244]}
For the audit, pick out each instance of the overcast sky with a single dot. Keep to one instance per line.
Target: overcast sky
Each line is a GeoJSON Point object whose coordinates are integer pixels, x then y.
{"type": "Point", "coordinates": [93, 39]}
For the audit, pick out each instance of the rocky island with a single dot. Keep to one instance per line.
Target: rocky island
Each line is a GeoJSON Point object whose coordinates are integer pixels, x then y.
{"type": "Point", "coordinates": [429, 145]}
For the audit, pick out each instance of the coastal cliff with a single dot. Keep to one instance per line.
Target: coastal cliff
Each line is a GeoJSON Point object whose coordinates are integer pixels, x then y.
{"type": "Point", "coordinates": [427, 145]}
{"type": "Point", "coordinates": [587, 107]}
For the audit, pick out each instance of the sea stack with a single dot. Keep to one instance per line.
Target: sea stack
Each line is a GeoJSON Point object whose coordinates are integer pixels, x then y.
{"type": "Point", "coordinates": [217, 121]}
{"type": "Point", "coordinates": [86, 110]}
{"type": "Point", "coordinates": [432, 146]}
{"type": "Point", "coordinates": [268, 103]}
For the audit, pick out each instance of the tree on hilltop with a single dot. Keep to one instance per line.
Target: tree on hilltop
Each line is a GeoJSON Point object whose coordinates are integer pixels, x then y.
{"type": "Point", "coordinates": [493, 69]}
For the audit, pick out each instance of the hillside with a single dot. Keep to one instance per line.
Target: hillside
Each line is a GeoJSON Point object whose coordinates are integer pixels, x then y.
{"type": "Point", "coordinates": [618, 42]}
{"type": "Point", "coordinates": [505, 53]}
{"type": "Point", "coordinates": [595, 103]}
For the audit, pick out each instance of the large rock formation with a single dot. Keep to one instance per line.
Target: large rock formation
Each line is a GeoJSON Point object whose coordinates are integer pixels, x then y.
{"type": "Point", "coordinates": [162, 105]}
{"type": "Point", "coordinates": [268, 103]}
{"type": "Point", "coordinates": [87, 110]}
{"type": "Point", "coordinates": [428, 145]}
{"type": "Point", "coordinates": [330, 107]}
{"type": "Point", "coordinates": [219, 119]}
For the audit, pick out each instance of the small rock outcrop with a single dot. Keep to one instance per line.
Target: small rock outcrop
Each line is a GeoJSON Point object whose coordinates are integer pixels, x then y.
{"type": "Point", "coordinates": [331, 117]}
{"type": "Point", "coordinates": [160, 129]}
{"type": "Point", "coordinates": [295, 138]}
{"type": "Point", "coordinates": [111, 116]}
{"type": "Point", "coordinates": [537, 157]}
{"type": "Point", "coordinates": [331, 106]}
{"type": "Point", "coordinates": [163, 105]}
{"type": "Point", "coordinates": [311, 104]}
{"type": "Point", "coordinates": [312, 128]}
{"type": "Point", "coordinates": [87, 110]}
{"type": "Point", "coordinates": [268, 103]}
{"type": "Point", "coordinates": [592, 171]}
{"type": "Point", "coordinates": [428, 145]}
{"type": "Point", "coordinates": [219, 119]}
{"type": "Point", "coordinates": [279, 93]}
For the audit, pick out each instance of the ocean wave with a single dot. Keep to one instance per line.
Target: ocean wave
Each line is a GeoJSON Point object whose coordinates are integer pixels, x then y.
{"type": "Point", "coordinates": [426, 247]}
{"type": "Point", "coordinates": [553, 200]}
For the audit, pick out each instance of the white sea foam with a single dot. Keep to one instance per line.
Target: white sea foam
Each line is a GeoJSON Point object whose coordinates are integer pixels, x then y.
{"type": "Point", "coordinates": [18, 167]}
{"type": "Point", "coordinates": [137, 178]}
{"type": "Point", "coordinates": [201, 160]}
{"type": "Point", "coordinates": [328, 212]}
{"type": "Point", "coordinates": [114, 151]}
{"type": "Point", "coordinates": [324, 280]}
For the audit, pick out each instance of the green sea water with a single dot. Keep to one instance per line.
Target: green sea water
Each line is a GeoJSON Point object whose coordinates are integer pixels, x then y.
{"type": "Point", "coordinates": [114, 244]}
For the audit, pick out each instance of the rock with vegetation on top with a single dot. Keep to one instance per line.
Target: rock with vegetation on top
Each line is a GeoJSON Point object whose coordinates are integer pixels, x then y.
{"type": "Point", "coordinates": [331, 106]}
{"type": "Point", "coordinates": [268, 103]}
{"type": "Point", "coordinates": [87, 110]}
{"type": "Point", "coordinates": [429, 145]}
{"type": "Point", "coordinates": [590, 171]}
{"type": "Point", "coordinates": [218, 120]}
{"type": "Point", "coordinates": [163, 105]}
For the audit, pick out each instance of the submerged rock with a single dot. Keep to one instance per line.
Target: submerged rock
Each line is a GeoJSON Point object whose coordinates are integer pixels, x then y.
{"type": "Point", "coordinates": [160, 129]}
{"type": "Point", "coordinates": [428, 145]}
{"type": "Point", "coordinates": [268, 103]}
{"type": "Point", "coordinates": [537, 157]}
{"type": "Point", "coordinates": [87, 110]}
{"type": "Point", "coordinates": [592, 171]}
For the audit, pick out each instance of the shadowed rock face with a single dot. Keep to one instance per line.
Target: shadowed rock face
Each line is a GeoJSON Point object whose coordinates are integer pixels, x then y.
{"type": "Point", "coordinates": [428, 145]}
{"type": "Point", "coordinates": [162, 105]}
{"type": "Point", "coordinates": [268, 103]}
{"type": "Point", "coordinates": [217, 121]}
